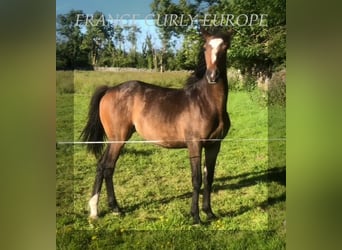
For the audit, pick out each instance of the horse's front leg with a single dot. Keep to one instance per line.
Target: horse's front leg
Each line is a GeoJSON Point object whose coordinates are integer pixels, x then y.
{"type": "Point", "coordinates": [211, 152]}
{"type": "Point", "coordinates": [195, 151]}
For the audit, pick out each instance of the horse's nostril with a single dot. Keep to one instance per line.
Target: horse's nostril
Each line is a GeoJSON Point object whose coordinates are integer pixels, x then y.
{"type": "Point", "coordinates": [212, 76]}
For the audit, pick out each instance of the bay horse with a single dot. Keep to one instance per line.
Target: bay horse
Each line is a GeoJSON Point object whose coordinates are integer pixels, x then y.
{"type": "Point", "coordinates": [193, 117]}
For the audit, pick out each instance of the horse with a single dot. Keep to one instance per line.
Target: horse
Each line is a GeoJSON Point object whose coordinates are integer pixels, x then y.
{"type": "Point", "coordinates": [193, 117]}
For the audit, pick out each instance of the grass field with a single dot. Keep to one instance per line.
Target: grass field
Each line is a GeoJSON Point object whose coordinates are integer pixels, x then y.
{"type": "Point", "coordinates": [153, 185]}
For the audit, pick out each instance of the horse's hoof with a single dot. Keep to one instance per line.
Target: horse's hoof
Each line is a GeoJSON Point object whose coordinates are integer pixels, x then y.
{"type": "Point", "coordinates": [211, 217]}
{"type": "Point", "coordinates": [117, 212]}
{"type": "Point", "coordinates": [197, 222]}
{"type": "Point", "coordinates": [93, 220]}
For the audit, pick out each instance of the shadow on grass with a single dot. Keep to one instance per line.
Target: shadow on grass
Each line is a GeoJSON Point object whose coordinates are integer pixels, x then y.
{"type": "Point", "coordinates": [270, 201]}
{"type": "Point", "coordinates": [160, 201]}
{"type": "Point", "coordinates": [276, 174]}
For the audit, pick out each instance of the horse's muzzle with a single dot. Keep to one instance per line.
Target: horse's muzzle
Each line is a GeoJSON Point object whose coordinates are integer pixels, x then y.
{"type": "Point", "coordinates": [212, 76]}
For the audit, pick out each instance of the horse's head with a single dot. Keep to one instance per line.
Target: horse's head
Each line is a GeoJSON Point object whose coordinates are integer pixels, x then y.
{"type": "Point", "coordinates": [215, 47]}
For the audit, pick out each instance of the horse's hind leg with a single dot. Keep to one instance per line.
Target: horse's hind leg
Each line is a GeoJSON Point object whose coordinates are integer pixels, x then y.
{"type": "Point", "coordinates": [211, 152]}
{"type": "Point", "coordinates": [109, 167]}
{"type": "Point", "coordinates": [93, 202]}
{"type": "Point", "coordinates": [105, 170]}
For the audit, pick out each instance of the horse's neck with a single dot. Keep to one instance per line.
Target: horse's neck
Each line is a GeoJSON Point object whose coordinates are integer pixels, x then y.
{"type": "Point", "coordinates": [224, 78]}
{"type": "Point", "coordinates": [219, 91]}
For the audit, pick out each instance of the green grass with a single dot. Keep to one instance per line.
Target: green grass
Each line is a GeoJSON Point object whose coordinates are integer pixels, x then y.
{"type": "Point", "coordinates": [153, 185]}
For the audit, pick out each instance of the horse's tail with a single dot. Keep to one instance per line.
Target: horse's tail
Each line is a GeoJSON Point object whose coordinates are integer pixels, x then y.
{"type": "Point", "coordinates": [93, 131]}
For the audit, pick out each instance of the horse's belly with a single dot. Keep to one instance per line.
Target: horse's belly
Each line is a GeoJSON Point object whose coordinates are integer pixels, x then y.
{"type": "Point", "coordinates": [166, 135]}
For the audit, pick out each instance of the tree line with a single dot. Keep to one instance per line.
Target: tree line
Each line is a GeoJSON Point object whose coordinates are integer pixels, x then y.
{"type": "Point", "coordinates": [85, 45]}
{"type": "Point", "coordinates": [255, 48]}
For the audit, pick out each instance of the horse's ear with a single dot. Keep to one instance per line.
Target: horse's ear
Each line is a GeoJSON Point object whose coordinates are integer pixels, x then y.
{"type": "Point", "coordinates": [230, 32]}
{"type": "Point", "coordinates": [204, 33]}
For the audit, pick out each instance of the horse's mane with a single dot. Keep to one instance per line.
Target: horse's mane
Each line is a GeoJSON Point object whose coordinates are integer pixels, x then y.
{"type": "Point", "coordinates": [199, 72]}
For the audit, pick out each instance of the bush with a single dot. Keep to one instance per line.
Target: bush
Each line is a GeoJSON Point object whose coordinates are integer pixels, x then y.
{"type": "Point", "coordinates": [277, 89]}
{"type": "Point", "coordinates": [250, 83]}
{"type": "Point", "coordinates": [235, 82]}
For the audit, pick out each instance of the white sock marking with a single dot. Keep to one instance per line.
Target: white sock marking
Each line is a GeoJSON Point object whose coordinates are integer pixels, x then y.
{"type": "Point", "coordinates": [215, 43]}
{"type": "Point", "coordinates": [93, 205]}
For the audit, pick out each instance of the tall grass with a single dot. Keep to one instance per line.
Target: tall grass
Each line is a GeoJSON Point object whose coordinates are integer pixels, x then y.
{"type": "Point", "coordinates": [153, 185]}
{"type": "Point", "coordinates": [277, 89]}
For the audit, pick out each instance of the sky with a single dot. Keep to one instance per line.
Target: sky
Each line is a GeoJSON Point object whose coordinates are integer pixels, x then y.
{"type": "Point", "coordinates": [116, 8]}
{"type": "Point", "coordinates": [105, 6]}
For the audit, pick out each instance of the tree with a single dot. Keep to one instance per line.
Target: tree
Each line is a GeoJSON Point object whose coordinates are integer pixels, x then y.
{"type": "Point", "coordinates": [118, 37]}
{"type": "Point", "coordinates": [132, 38]}
{"type": "Point", "coordinates": [254, 48]}
{"type": "Point", "coordinates": [260, 49]}
{"type": "Point", "coordinates": [98, 37]}
{"type": "Point", "coordinates": [107, 55]}
{"type": "Point", "coordinates": [69, 54]}
{"type": "Point", "coordinates": [148, 51]}
{"type": "Point", "coordinates": [162, 8]}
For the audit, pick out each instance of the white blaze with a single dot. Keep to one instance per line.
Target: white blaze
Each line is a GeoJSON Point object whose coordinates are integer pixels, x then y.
{"type": "Point", "coordinates": [93, 205]}
{"type": "Point", "coordinates": [215, 43]}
